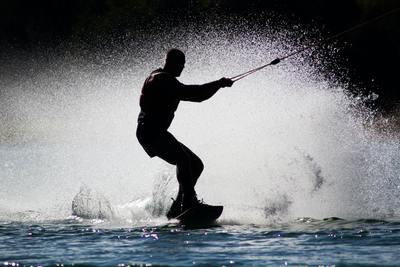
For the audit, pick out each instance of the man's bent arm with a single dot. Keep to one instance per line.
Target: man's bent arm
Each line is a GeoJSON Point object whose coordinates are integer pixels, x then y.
{"type": "Point", "coordinates": [199, 93]}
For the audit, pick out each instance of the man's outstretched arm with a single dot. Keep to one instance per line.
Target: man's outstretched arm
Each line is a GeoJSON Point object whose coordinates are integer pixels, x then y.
{"type": "Point", "coordinates": [199, 93]}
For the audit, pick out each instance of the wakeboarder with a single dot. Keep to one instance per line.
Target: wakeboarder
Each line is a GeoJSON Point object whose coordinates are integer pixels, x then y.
{"type": "Point", "coordinates": [159, 99]}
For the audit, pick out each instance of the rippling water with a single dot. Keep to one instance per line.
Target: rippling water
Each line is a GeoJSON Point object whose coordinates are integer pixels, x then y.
{"type": "Point", "coordinates": [304, 242]}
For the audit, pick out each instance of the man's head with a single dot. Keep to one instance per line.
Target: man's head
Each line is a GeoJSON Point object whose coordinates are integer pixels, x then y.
{"type": "Point", "coordinates": [174, 62]}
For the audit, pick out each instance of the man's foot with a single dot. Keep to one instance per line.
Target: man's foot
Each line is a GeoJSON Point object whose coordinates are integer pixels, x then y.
{"type": "Point", "coordinates": [175, 210]}
{"type": "Point", "coordinates": [181, 204]}
{"type": "Point", "coordinates": [189, 201]}
{"type": "Point", "coordinates": [184, 203]}
{"type": "Point", "coordinates": [193, 202]}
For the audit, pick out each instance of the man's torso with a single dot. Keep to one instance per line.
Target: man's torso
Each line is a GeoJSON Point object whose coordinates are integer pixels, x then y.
{"type": "Point", "coordinates": [159, 100]}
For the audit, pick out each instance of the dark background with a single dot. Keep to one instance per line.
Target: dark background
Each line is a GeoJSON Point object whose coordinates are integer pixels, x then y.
{"type": "Point", "coordinates": [372, 54]}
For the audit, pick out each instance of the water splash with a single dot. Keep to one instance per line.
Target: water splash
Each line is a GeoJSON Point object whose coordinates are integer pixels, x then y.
{"type": "Point", "coordinates": [88, 204]}
{"type": "Point", "coordinates": [287, 142]}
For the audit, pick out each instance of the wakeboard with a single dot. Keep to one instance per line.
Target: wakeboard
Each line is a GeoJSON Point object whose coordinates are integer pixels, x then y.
{"type": "Point", "coordinates": [200, 215]}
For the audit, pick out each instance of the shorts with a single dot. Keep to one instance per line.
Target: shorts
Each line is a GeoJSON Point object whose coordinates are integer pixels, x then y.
{"type": "Point", "coordinates": [161, 143]}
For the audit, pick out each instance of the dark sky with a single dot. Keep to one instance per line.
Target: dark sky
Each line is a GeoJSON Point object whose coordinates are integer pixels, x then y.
{"type": "Point", "coordinates": [372, 56]}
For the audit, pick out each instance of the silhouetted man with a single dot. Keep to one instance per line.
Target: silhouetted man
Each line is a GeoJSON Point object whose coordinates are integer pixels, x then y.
{"type": "Point", "coordinates": [160, 97]}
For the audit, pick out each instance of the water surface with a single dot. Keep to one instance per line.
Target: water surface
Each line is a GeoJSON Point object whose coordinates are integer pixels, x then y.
{"type": "Point", "coordinates": [304, 242]}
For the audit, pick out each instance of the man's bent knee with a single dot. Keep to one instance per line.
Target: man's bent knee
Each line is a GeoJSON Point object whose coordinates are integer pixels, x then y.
{"type": "Point", "coordinates": [198, 167]}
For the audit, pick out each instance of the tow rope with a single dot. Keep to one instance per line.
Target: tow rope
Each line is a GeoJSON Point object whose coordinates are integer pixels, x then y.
{"type": "Point", "coordinates": [335, 36]}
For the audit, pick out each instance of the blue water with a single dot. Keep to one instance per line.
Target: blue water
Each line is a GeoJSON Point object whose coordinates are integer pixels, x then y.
{"type": "Point", "coordinates": [303, 242]}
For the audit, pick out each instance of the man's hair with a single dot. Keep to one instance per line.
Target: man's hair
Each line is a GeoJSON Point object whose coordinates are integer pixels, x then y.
{"type": "Point", "coordinates": [175, 56]}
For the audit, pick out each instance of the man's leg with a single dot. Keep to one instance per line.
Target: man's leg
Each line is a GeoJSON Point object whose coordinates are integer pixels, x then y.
{"type": "Point", "coordinates": [188, 169]}
{"type": "Point", "coordinates": [196, 166]}
{"type": "Point", "coordinates": [188, 166]}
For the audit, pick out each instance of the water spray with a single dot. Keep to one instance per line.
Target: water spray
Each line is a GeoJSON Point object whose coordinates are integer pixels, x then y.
{"type": "Point", "coordinates": [298, 150]}
{"type": "Point", "coordinates": [335, 36]}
